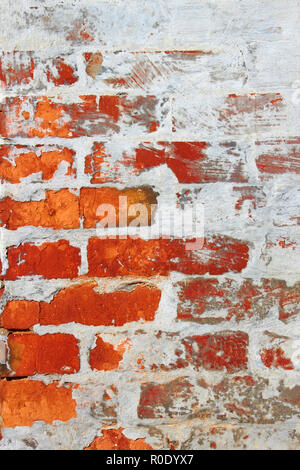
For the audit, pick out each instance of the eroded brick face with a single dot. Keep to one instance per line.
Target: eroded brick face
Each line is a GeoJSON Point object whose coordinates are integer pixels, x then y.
{"type": "Point", "coordinates": [36, 163]}
{"type": "Point", "coordinates": [122, 327]}
{"type": "Point", "coordinates": [114, 439]}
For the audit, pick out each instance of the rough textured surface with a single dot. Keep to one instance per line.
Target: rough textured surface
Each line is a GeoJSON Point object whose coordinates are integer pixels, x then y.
{"type": "Point", "coordinates": [139, 343]}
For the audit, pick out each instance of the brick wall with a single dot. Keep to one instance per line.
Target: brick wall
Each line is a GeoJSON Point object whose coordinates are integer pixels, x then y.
{"type": "Point", "coordinates": [141, 343]}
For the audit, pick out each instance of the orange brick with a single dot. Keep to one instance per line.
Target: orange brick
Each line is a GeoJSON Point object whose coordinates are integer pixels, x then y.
{"type": "Point", "coordinates": [114, 439]}
{"type": "Point", "coordinates": [91, 199]}
{"type": "Point", "coordinates": [59, 210]}
{"type": "Point", "coordinates": [17, 162]}
{"type": "Point", "coordinates": [105, 356]}
{"type": "Point", "coordinates": [22, 402]}
{"type": "Point", "coordinates": [20, 314]}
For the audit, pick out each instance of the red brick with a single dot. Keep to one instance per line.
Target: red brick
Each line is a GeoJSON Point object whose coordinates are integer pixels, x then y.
{"type": "Point", "coordinates": [20, 314]}
{"type": "Point", "coordinates": [105, 356]}
{"type": "Point", "coordinates": [91, 199]}
{"type": "Point", "coordinates": [18, 162]}
{"type": "Point", "coordinates": [59, 210]}
{"type": "Point", "coordinates": [23, 402]}
{"type": "Point", "coordinates": [31, 354]}
{"type": "Point", "coordinates": [278, 351]}
{"type": "Point", "coordinates": [275, 357]}
{"type": "Point", "coordinates": [82, 304]}
{"type": "Point", "coordinates": [187, 160]}
{"type": "Point", "coordinates": [50, 260]}
{"type": "Point", "coordinates": [125, 257]}
{"type": "Point", "coordinates": [191, 162]}
{"type": "Point", "coordinates": [60, 72]}
{"type": "Point", "coordinates": [114, 439]}
{"type": "Point", "coordinates": [48, 117]}
{"type": "Point", "coordinates": [218, 351]}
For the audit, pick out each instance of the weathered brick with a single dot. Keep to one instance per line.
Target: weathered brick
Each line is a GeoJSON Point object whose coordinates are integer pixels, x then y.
{"type": "Point", "coordinates": [114, 439]}
{"type": "Point", "coordinates": [31, 354]}
{"type": "Point", "coordinates": [91, 199]}
{"type": "Point", "coordinates": [236, 114]}
{"type": "Point", "coordinates": [25, 401]}
{"type": "Point", "coordinates": [83, 304]}
{"type": "Point", "coordinates": [60, 72]}
{"type": "Point", "coordinates": [277, 254]}
{"type": "Point", "coordinates": [191, 343]}
{"type": "Point", "coordinates": [164, 71]}
{"type": "Point", "coordinates": [89, 116]}
{"type": "Point", "coordinates": [253, 196]}
{"type": "Point", "coordinates": [94, 164]}
{"type": "Point", "coordinates": [219, 255]}
{"type": "Point", "coordinates": [175, 399]}
{"type": "Point", "coordinates": [193, 24]}
{"type": "Point", "coordinates": [242, 206]}
{"type": "Point", "coordinates": [16, 68]}
{"type": "Point", "coordinates": [49, 259]}
{"type": "Point", "coordinates": [243, 399]}
{"type": "Point", "coordinates": [191, 162]}
{"type": "Point", "coordinates": [218, 351]}
{"type": "Point", "coordinates": [275, 357]}
{"type": "Point", "coordinates": [215, 434]}
{"type": "Point", "coordinates": [59, 209]}
{"type": "Point", "coordinates": [19, 70]}
{"type": "Point", "coordinates": [105, 405]}
{"type": "Point", "coordinates": [277, 351]}
{"type": "Point", "coordinates": [277, 157]}
{"type": "Point", "coordinates": [222, 350]}
{"type": "Point", "coordinates": [105, 356]}
{"type": "Point", "coordinates": [213, 301]}
{"type": "Point", "coordinates": [18, 162]}
{"type": "Point", "coordinates": [93, 63]}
